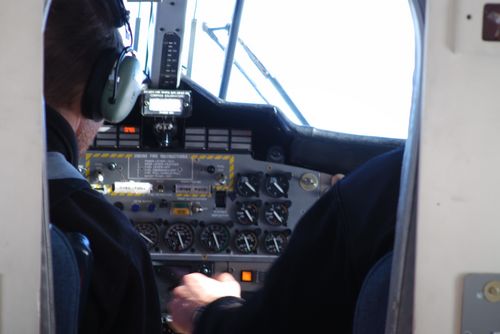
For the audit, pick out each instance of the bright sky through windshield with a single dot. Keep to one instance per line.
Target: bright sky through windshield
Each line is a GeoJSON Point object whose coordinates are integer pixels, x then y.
{"type": "Point", "coordinates": [347, 65]}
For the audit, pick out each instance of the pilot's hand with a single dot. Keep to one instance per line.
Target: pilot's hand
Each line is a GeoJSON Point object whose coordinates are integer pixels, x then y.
{"type": "Point", "coordinates": [336, 178]}
{"type": "Point", "coordinates": [196, 291]}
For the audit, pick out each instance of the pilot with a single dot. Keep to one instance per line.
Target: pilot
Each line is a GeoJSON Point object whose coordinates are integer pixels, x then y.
{"type": "Point", "coordinates": [122, 296]}
{"type": "Point", "coordinates": [313, 286]}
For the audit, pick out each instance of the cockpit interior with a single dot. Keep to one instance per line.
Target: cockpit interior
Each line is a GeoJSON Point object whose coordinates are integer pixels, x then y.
{"type": "Point", "coordinates": [250, 111]}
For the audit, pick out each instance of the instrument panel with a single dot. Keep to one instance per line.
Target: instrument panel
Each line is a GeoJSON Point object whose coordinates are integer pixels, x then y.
{"type": "Point", "coordinates": [206, 212]}
{"type": "Point", "coordinates": [206, 207]}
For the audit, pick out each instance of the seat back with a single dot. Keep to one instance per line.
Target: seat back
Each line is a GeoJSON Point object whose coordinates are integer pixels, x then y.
{"type": "Point", "coordinates": [72, 265]}
{"type": "Point", "coordinates": [83, 255]}
{"type": "Point", "coordinates": [66, 283]}
{"type": "Point", "coordinates": [371, 306]}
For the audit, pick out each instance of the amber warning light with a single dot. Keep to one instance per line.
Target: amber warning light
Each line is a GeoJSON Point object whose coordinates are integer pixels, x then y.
{"type": "Point", "coordinates": [129, 129]}
{"type": "Point", "coordinates": [247, 276]}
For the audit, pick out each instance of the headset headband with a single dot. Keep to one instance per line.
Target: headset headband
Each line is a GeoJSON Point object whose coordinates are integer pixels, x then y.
{"type": "Point", "coordinates": [118, 11]}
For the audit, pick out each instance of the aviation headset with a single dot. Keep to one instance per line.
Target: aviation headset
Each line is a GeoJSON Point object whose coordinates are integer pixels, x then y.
{"type": "Point", "coordinates": [116, 78]}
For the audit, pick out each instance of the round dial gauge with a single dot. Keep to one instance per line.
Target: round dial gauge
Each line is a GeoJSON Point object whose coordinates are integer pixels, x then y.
{"type": "Point", "coordinates": [277, 185]}
{"type": "Point", "coordinates": [149, 233]}
{"type": "Point", "coordinates": [215, 238]}
{"type": "Point", "coordinates": [246, 242]}
{"type": "Point", "coordinates": [247, 185]}
{"type": "Point", "coordinates": [276, 214]}
{"type": "Point", "coordinates": [179, 237]}
{"type": "Point", "coordinates": [247, 213]}
{"type": "Point", "coordinates": [275, 242]}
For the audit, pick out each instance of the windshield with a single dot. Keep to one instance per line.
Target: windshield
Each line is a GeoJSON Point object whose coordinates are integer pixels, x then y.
{"type": "Point", "coordinates": [343, 66]}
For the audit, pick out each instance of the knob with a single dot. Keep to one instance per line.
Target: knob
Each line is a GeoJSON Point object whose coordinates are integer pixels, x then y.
{"type": "Point", "coordinates": [119, 205]}
{"type": "Point", "coordinates": [492, 291]}
{"type": "Point", "coordinates": [210, 169]}
{"type": "Point", "coordinates": [152, 207]}
{"type": "Point", "coordinates": [221, 178]}
{"type": "Point", "coordinates": [205, 270]}
{"type": "Point", "coordinates": [112, 165]}
{"type": "Point", "coordinates": [197, 208]}
{"type": "Point", "coordinates": [98, 176]}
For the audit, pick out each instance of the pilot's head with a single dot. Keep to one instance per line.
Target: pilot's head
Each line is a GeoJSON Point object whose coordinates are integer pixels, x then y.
{"type": "Point", "coordinates": [76, 34]}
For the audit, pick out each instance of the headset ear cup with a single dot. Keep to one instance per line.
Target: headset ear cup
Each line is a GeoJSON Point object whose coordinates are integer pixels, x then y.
{"type": "Point", "coordinates": [128, 88]}
{"type": "Point", "coordinates": [99, 76]}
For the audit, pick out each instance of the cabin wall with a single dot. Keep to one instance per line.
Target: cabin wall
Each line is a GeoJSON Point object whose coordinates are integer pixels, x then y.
{"type": "Point", "coordinates": [459, 180]}
{"type": "Point", "coordinates": [21, 167]}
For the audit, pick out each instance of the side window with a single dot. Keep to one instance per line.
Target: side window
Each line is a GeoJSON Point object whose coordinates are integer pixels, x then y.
{"type": "Point", "coordinates": [345, 66]}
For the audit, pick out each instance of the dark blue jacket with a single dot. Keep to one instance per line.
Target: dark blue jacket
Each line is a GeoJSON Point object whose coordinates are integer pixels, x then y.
{"type": "Point", "coordinates": [314, 285]}
{"type": "Point", "coordinates": [122, 296]}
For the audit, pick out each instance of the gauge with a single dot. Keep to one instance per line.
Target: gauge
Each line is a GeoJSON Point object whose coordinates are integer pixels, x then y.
{"type": "Point", "coordinates": [215, 237]}
{"type": "Point", "coordinates": [246, 242]}
{"type": "Point", "coordinates": [277, 185]}
{"type": "Point", "coordinates": [247, 213]}
{"type": "Point", "coordinates": [179, 237]}
{"type": "Point", "coordinates": [247, 185]}
{"type": "Point", "coordinates": [276, 214]}
{"type": "Point", "coordinates": [309, 182]}
{"type": "Point", "coordinates": [149, 233]}
{"type": "Point", "coordinates": [275, 242]}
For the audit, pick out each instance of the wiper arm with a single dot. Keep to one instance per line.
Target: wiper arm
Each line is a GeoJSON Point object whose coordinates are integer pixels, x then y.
{"type": "Point", "coordinates": [262, 69]}
{"type": "Point", "coordinates": [274, 82]}
{"type": "Point", "coordinates": [213, 37]}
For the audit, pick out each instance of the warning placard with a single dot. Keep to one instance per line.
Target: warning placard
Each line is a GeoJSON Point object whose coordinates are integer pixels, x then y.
{"type": "Point", "coordinates": [162, 166]}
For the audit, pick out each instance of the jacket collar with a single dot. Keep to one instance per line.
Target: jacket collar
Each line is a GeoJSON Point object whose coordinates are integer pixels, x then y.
{"type": "Point", "coordinates": [60, 136]}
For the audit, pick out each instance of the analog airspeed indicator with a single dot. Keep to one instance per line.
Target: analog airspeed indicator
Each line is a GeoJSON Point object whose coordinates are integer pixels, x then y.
{"type": "Point", "coordinates": [276, 214]}
{"type": "Point", "coordinates": [275, 242]}
{"type": "Point", "coordinates": [179, 237]}
{"type": "Point", "coordinates": [247, 213]}
{"type": "Point", "coordinates": [246, 242]}
{"type": "Point", "coordinates": [248, 185]}
{"type": "Point", "coordinates": [215, 237]}
{"type": "Point", "coordinates": [149, 234]}
{"type": "Point", "coordinates": [277, 185]}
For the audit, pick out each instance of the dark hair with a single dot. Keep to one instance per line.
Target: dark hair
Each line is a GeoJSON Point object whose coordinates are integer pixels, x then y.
{"type": "Point", "coordinates": [76, 33]}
